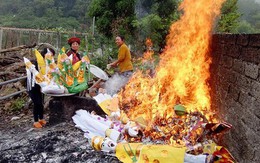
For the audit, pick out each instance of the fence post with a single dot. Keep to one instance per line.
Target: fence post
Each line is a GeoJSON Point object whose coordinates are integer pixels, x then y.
{"type": "Point", "coordinates": [39, 38]}
{"type": "Point", "coordinates": [58, 40]}
{"type": "Point", "coordinates": [93, 27]}
{"type": "Point", "coordinates": [1, 38]}
{"type": "Point", "coordinates": [86, 43]}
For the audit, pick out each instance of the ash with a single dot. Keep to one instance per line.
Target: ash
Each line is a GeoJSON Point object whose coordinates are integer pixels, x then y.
{"type": "Point", "coordinates": [52, 144]}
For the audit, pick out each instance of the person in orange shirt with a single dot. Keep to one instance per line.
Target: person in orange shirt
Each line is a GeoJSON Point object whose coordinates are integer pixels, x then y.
{"type": "Point", "coordinates": [124, 58]}
{"type": "Point", "coordinates": [74, 43]}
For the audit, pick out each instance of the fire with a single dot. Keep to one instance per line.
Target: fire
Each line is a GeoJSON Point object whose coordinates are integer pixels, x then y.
{"type": "Point", "coordinates": [182, 74]}
{"type": "Point", "coordinates": [149, 52]}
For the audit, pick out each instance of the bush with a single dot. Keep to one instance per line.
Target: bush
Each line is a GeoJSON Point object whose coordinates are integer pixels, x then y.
{"type": "Point", "coordinates": [18, 104]}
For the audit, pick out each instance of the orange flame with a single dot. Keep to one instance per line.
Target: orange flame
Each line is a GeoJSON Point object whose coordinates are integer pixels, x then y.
{"type": "Point", "coordinates": [182, 74]}
{"type": "Point", "coordinates": [149, 52]}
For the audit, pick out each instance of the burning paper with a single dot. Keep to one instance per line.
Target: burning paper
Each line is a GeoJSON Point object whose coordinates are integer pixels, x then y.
{"type": "Point", "coordinates": [181, 76]}
{"type": "Point", "coordinates": [175, 102]}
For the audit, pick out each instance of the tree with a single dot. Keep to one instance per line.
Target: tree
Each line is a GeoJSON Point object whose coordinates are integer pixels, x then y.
{"type": "Point", "coordinates": [47, 14]}
{"type": "Point", "coordinates": [155, 24]}
{"type": "Point", "coordinates": [250, 16]}
{"type": "Point", "coordinates": [245, 27]}
{"type": "Point", "coordinates": [113, 16]}
{"type": "Point", "coordinates": [228, 22]}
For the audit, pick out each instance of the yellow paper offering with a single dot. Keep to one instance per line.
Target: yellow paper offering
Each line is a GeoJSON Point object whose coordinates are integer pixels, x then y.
{"type": "Point", "coordinates": [76, 66]}
{"type": "Point", "coordinates": [40, 62]}
{"type": "Point", "coordinates": [104, 106]}
{"type": "Point", "coordinates": [138, 152]}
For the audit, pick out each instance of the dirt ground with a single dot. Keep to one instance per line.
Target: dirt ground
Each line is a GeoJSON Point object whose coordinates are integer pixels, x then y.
{"type": "Point", "coordinates": [63, 142]}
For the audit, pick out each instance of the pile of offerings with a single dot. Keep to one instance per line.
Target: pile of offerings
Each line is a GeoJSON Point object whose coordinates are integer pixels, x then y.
{"type": "Point", "coordinates": [187, 137]}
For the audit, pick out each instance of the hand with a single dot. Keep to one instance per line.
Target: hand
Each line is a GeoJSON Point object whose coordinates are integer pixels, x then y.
{"type": "Point", "coordinates": [108, 66]}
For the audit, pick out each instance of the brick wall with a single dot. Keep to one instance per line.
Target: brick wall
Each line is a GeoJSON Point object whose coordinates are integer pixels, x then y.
{"type": "Point", "coordinates": [235, 83]}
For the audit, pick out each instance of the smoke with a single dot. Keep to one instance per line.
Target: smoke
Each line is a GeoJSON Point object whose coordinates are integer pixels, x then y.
{"type": "Point", "coordinates": [115, 83]}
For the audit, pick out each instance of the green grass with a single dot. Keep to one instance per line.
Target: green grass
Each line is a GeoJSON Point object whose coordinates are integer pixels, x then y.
{"type": "Point", "coordinates": [18, 104]}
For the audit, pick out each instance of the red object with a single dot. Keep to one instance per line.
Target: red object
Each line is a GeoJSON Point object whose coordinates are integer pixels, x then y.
{"type": "Point", "coordinates": [73, 39]}
{"type": "Point", "coordinates": [75, 59]}
{"type": "Point", "coordinates": [75, 56]}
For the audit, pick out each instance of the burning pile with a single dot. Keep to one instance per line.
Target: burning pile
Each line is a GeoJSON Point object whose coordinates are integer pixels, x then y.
{"type": "Point", "coordinates": [182, 74]}
{"type": "Point", "coordinates": [170, 108]}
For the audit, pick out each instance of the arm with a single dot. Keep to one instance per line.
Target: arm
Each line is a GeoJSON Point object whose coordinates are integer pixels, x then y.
{"type": "Point", "coordinates": [114, 64]}
{"type": "Point", "coordinates": [121, 57]}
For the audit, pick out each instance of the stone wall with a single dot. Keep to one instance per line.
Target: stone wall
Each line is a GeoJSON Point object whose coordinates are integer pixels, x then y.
{"type": "Point", "coordinates": [235, 83]}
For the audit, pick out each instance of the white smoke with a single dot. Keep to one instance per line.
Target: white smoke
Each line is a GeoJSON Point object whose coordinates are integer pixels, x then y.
{"type": "Point", "coordinates": [115, 83]}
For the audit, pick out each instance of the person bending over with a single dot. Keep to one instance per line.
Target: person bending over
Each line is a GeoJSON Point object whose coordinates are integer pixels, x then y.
{"type": "Point", "coordinates": [124, 58]}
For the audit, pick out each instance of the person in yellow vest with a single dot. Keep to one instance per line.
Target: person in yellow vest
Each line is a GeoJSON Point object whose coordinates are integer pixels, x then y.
{"type": "Point", "coordinates": [124, 58]}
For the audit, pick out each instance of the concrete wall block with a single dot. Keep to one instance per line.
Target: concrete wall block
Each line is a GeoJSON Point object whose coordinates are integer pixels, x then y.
{"type": "Point", "coordinates": [244, 82]}
{"type": "Point", "coordinates": [233, 92]}
{"type": "Point", "coordinates": [238, 128]}
{"type": "Point", "coordinates": [227, 61]}
{"type": "Point", "coordinates": [255, 89]}
{"type": "Point", "coordinates": [256, 107]}
{"type": "Point", "coordinates": [222, 95]}
{"type": "Point", "coordinates": [256, 158]}
{"type": "Point", "coordinates": [222, 49]}
{"type": "Point", "coordinates": [254, 40]}
{"type": "Point", "coordinates": [225, 85]}
{"type": "Point", "coordinates": [253, 138]}
{"type": "Point", "coordinates": [221, 59]}
{"type": "Point", "coordinates": [246, 100]}
{"type": "Point", "coordinates": [247, 152]}
{"type": "Point", "coordinates": [228, 75]}
{"type": "Point", "coordinates": [216, 58]}
{"type": "Point", "coordinates": [258, 79]}
{"type": "Point", "coordinates": [217, 49]}
{"type": "Point", "coordinates": [251, 55]}
{"type": "Point", "coordinates": [233, 50]}
{"type": "Point", "coordinates": [232, 110]}
{"type": "Point", "coordinates": [251, 121]}
{"type": "Point", "coordinates": [251, 70]}
{"type": "Point", "coordinates": [229, 39]}
{"type": "Point", "coordinates": [216, 106]}
{"type": "Point", "coordinates": [237, 106]}
{"type": "Point", "coordinates": [218, 39]}
{"type": "Point", "coordinates": [238, 66]}
{"type": "Point", "coordinates": [243, 39]}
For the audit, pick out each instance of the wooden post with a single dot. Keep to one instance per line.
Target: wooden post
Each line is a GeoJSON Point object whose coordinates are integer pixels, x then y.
{"type": "Point", "coordinates": [39, 38]}
{"type": "Point", "coordinates": [1, 37]}
{"type": "Point", "coordinates": [17, 38]}
{"type": "Point", "coordinates": [20, 37]}
{"type": "Point", "coordinates": [93, 27]}
{"type": "Point", "coordinates": [57, 40]}
{"type": "Point", "coordinates": [86, 43]}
